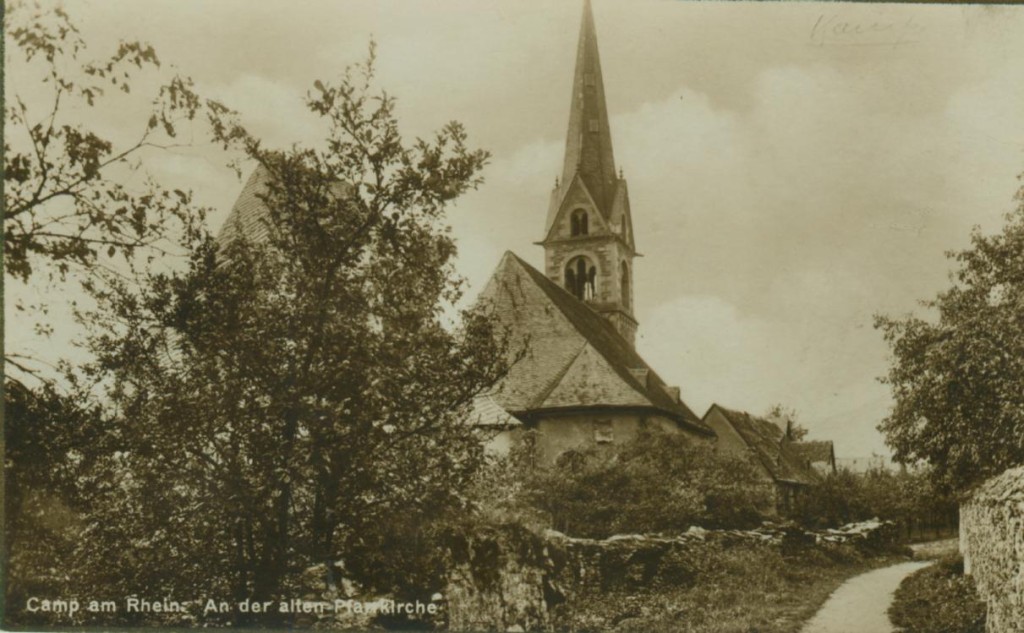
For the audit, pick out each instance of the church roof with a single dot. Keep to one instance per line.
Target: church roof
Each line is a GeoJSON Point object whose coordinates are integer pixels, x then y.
{"type": "Point", "coordinates": [572, 356]}
{"type": "Point", "coordinates": [483, 411]}
{"type": "Point", "coordinates": [768, 444]}
{"type": "Point", "coordinates": [249, 215]}
{"type": "Point", "coordinates": [588, 145]}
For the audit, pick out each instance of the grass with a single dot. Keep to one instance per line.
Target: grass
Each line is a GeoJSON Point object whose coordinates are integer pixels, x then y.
{"type": "Point", "coordinates": [939, 599]}
{"type": "Point", "coordinates": [746, 590]}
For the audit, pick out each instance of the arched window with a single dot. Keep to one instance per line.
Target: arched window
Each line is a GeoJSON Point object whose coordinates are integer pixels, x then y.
{"type": "Point", "coordinates": [624, 284]}
{"type": "Point", "coordinates": [581, 278]}
{"type": "Point", "coordinates": [578, 223]}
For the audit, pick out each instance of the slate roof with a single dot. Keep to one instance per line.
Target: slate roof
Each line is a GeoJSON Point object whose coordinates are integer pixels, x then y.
{"type": "Point", "coordinates": [485, 412]}
{"type": "Point", "coordinates": [573, 357]}
{"type": "Point", "coordinates": [815, 451]}
{"type": "Point", "coordinates": [249, 215]}
{"type": "Point", "coordinates": [766, 440]}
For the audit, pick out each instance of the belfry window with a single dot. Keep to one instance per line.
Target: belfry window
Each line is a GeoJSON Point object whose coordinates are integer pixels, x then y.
{"type": "Point", "coordinates": [581, 278]}
{"type": "Point", "coordinates": [578, 223]}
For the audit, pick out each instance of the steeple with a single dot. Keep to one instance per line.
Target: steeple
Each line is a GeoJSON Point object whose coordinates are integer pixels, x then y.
{"type": "Point", "coordinates": [588, 242]}
{"type": "Point", "coordinates": [588, 146]}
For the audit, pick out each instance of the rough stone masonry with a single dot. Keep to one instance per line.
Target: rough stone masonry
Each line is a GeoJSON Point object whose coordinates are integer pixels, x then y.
{"type": "Point", "coordinates": [992, 543]}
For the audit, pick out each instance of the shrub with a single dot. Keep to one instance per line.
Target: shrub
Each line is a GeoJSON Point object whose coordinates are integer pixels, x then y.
{"type": "Point", "coordinates": [939, 599]}
{"type": "Point", "coordinates": [658, 482]}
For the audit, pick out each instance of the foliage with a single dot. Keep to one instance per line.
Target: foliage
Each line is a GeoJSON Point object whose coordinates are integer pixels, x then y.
{"type": "Point", "coordinates": [795, 431]}
{"type": "Point", "coordinates": [958, 382]}
{"type": "Point", "coordinates": [906, 497]}
{"type": "Point", "coordinates": [658, 482]}
{"type": "Point", "coordinates": [73, 198]}
{"type": "Point", "coordinates": [938, 599]}
{"type": "Point", "coordinates": [48, 444]}
{"type": "Point", "coordinates": [745, 587]}
{"type": "Point", "coordinates": [279, 404]}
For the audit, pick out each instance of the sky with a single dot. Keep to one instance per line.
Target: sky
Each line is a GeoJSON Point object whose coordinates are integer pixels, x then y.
{"type": "Point", "coordinates": [794, 168]}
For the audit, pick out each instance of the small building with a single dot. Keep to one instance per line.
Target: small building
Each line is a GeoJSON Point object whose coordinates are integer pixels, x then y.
{"type": "Point", "coordinates": [818, 454]}
{"type": "Point", "coordinates": [769, 448]}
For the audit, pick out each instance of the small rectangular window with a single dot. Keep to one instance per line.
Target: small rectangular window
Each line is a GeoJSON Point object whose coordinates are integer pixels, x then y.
{"type": "Point", "coordinates": [588, 79]}
{"type": "Point", "coordinates": [603, 432]}
{"type": "Point", "coordinates": [595, 126]}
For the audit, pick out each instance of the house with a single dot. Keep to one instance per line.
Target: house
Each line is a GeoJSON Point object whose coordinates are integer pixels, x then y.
{"type": "Point", "coordinates": [770, 448]}
{"type": "Point", "coordinates": [819, 455]}
{"type": "Point", "coordinates": [580, 383]}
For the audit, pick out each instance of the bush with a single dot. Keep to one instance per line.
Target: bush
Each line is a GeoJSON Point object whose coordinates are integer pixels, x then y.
{"type": "Point", "coordinates": [658, 482]}
{"type": "Point", "coordinates": [939, 599]}
{"type": "Point", "coordinates": [907, 498]}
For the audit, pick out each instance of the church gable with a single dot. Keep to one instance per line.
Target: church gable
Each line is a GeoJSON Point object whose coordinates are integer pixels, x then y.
{"type": "Point", "coordinates": [591, 379]}
{"type": "Point", "coordinates": [537, 329]}
{"type": "Point", "coordinates": [572, 356]}
{"type": "Point", "coordinates": [576, 204]}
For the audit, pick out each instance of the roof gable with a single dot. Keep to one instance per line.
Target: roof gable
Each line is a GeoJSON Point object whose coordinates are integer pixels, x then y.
{"type": "Point", "coordinates": [575, 196]}
{"type": "Point", "coordinates": [567, 342]}
{"type": "Point", "coordinates": [766, 440]}
{"type": "Point", "coordinates": [589, 379]}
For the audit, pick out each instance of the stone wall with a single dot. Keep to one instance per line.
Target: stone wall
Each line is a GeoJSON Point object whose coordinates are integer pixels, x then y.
{"type": "Point", "coordinates": [992, 543]}
{"type": "Point", "coordinates": [511, 579]}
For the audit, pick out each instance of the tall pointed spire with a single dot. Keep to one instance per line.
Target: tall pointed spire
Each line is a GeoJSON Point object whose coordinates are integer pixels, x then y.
{"type": "Point", "coordinates": [588, 146]}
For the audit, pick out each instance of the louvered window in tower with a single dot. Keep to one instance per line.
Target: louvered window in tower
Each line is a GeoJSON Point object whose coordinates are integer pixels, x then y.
{"type": "Point", "coordinates": [581, 278]}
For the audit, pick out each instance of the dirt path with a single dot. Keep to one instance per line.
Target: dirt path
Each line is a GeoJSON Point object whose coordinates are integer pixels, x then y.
{"type": "Point", "coordinates": [859, 605]}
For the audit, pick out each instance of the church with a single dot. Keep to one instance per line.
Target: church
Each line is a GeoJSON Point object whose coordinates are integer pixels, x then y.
{"type": "Point", "coordinates": [580, 382]}
{"type": "Point", "coordinates": [577, 380]}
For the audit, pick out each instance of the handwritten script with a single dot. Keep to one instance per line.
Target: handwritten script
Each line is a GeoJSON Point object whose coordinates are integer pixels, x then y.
{"type": "Point", "coordinates": [836, 30]}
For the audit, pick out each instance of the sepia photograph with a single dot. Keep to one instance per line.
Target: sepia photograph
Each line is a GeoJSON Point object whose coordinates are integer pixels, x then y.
{"type": "Point", "coordinates": [513, 315]}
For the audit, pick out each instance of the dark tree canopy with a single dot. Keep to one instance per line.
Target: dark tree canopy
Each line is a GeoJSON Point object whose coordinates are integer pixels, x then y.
{"type": "Point", "coordinates": [269, 410]}
{"type": "Point", "coordinates": [958, 379]}
{"type": "Point", "coordinates": [274, 410]}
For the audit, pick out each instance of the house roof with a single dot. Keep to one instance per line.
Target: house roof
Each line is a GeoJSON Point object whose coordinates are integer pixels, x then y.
{"type": "Point", "coordinates": [572, 357]}
{"type": "Point", "coordinates": [767, 441]}
{"type": "Point", "coordinates": [814, 451]}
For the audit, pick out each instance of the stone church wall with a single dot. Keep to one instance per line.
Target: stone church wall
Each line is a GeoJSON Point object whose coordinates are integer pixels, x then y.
{"type": "Point", "coordinates": [992, 543]}
{"type": "Point", "coordinates": [511, 579]}
{"type": "Point", "coordinates": [580, 431]}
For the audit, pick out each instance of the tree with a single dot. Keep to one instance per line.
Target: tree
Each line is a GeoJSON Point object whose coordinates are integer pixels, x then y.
{"type": "Point", "coordinates": [795, 431]}
{"type": "Point", "coordinates": [67, 207]}
{"type": "Point", "coordinates": [958, 380]}
{"type": "Point", "coordinates": [301, 391]}
{"type": "Point", "coordinates": [657, 482]}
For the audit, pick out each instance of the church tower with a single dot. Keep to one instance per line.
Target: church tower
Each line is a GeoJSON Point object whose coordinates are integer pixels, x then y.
{"type": "Point", "coordinates": [588, 244]}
